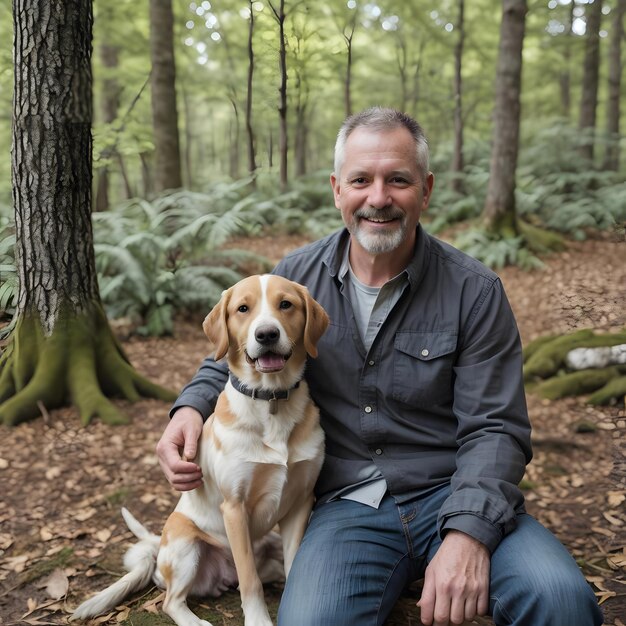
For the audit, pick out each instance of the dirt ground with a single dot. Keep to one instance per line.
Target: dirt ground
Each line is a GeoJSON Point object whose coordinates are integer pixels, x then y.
{"type": "Point", "coordinates": [62, 536]}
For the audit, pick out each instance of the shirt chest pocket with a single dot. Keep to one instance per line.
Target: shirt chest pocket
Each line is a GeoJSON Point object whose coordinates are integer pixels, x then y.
{"type": "Point", "coordinates": [422, 368]}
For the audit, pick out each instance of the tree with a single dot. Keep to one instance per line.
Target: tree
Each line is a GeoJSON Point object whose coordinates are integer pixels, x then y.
{"type": "Point", "coordinates": [249, 129]}
{"type": "Point", "coordinates": [499, 212]}
{"type": "Point", "coordinates": [457, 156]}
{"type": "Point", "coordinates": [611, 158]}
{"type": "Point", "coordinates": [164, 111]}
{"type": "Point", "coordinates": [591, 68]}
{"type": "Point", "coordinates": [61, 348]}
{"type": "Point", "coordinates": [283, 141]}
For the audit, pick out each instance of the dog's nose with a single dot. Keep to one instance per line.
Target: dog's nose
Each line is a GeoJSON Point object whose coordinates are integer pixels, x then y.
{"type": "Point", "coordinates": [267, 335]}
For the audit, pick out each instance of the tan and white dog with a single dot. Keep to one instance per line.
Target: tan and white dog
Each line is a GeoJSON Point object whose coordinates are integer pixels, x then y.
{"type": "Point", "coordinates": [260, 454]}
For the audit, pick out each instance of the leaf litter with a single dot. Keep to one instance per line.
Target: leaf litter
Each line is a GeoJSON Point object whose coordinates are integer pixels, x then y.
{"type": "Point", "coordinates": [62, 536]}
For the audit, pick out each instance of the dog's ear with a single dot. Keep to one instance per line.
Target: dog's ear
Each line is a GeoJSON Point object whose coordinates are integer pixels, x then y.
{"type": "Point", "coordinates": [216, 328]}
{"type": "Point", "coordinates": [317, 321]}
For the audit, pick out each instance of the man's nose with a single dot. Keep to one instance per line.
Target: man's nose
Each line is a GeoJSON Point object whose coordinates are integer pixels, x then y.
{"type": "Point", "coordinates": [379, 197]}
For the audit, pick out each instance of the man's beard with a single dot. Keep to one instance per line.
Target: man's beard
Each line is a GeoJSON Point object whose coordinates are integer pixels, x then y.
{"type": "Point", "coordinates": [382, 242]}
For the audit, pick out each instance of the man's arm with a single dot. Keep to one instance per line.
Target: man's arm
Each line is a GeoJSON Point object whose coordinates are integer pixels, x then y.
{"type": "Point", "coordinates": [177, 447]}
{"type": "Point", "coordinates": [494, 447]}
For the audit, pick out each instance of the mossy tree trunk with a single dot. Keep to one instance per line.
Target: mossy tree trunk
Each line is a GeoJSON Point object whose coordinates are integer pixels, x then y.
{"type": "Point", "coordinates": [499, 213]}
{"type": "Point", "coordinates": [61, 349]}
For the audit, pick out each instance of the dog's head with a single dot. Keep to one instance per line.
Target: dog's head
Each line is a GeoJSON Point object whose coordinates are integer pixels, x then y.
{"type": "Point", "coordinates": [266, 325]}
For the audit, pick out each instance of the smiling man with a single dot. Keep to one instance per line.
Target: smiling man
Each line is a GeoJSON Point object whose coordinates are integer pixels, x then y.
{"type": "Point", "coordinates": [419, 384]}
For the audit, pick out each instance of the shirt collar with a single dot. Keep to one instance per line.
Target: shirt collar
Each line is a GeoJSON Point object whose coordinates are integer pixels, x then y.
{"type": "Point", "coordinates": [336, 257]}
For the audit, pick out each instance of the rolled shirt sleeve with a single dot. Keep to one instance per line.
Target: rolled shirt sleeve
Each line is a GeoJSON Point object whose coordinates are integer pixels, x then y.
{"type": "Point", "coordinates": [493, 432]}
{"type": "Point", "coordinates": [202, 392]}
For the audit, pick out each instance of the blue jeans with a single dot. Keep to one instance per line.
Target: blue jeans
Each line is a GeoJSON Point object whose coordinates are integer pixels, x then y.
{"type": "Point", "coordinates": [355, 561]}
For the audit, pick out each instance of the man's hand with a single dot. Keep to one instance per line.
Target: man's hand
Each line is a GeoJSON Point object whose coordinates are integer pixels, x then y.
{"type": "Point", "coordinates": [181, 435]}
{"type": "Point", "coordinates": [456, 585]}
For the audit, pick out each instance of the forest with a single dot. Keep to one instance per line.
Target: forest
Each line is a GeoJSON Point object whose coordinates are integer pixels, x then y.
{"type": "Point", "coordinates": [153, 153]}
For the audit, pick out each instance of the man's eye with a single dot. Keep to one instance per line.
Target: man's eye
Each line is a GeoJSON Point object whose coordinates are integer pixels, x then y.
{"type": "Point", "coordinates": [243, 308]}
{"type": "Point", "coordinates": [359, 181]}
{"type": "Point", "coordinates": [285, 304]}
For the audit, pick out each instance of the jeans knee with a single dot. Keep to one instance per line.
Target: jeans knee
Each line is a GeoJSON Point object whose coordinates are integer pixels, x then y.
{"type": "Point", "coordinates": [564, 599]}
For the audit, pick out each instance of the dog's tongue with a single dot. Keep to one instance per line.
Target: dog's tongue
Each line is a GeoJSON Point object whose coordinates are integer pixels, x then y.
{"type": "Point", "coordinates": [271, 361]}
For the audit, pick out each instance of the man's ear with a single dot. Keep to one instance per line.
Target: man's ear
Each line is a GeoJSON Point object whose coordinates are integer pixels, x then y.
{"type": "Point", "coordinates": [334, 183]}
{"type": "Point", "coordinates": [215, 326]}
{"type": "Point", "coordinates": [429, 184]}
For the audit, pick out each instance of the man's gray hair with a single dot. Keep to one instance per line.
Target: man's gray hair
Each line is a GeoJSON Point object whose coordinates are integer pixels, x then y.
{"type": "Point", "coordinates": [382, 119]}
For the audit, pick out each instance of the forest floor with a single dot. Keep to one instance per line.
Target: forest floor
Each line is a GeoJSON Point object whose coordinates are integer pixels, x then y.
{"type": "Point", "coordinates": [62, 536]}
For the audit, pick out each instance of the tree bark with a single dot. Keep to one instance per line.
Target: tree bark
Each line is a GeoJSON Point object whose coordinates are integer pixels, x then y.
{"type": "Point", "coordinates": [62, 348]}
{"type": "Point", "coordinates": [611, 157]}
{"type": "Point", "coordinates": [457, 157]}
{"type": "Point", "coordinates": [591, 67]}
{"type": "Point", "coordinates": [249, 129]}
{"type": "Point", "coordinates": [164, 111]}
{"type": "Point", "coordinates": [348, 35]}
{"type": "Point", "coordinates": [499, 213]}
{"type": "Point", "coordinates": [109, 56]}
{"type": "Point", "coordinates": [283, 140]}
{"type": "Point", "coordinates": [564, 76]}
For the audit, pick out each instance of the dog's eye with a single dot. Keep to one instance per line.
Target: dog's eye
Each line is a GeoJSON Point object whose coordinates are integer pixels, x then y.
{"type": "Point", "coordinates": [243, 308]}
{"type": "Point", "coordinates": [285, 304]}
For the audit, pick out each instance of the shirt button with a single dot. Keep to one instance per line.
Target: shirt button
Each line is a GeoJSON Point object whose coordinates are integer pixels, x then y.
{"type": "Point", "coordinates": [425, 352]}
{"type": "Point", "coordinates": [368, 409]}
{"type": "Point", "coordinates": [379, 451]}
{"type": "Point", "coordinates": [370, 362]}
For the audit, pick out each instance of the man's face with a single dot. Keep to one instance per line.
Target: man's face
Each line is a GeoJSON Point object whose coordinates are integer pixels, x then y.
{"type": "Point", "coordinates": [380, 190]}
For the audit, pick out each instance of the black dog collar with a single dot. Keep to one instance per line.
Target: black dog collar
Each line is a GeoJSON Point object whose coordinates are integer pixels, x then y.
{"type": "Point", "coordinates": [272, 396]}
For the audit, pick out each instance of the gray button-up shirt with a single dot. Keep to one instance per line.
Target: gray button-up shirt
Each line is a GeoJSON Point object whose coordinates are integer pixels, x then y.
{"type": "Point", "coordinates": [437, 399]}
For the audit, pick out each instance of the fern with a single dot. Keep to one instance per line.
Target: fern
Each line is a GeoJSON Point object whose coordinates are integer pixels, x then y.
{"type": "Point", "coordinates": [497, 252]}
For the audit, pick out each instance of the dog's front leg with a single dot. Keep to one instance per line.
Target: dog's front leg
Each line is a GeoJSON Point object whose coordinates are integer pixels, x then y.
{"type": "Point", "coordinates": [292, 528]}
{"type": "Point", "coordinates": [250, 586]}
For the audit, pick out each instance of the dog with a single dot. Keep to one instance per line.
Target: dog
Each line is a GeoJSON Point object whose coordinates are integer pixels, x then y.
{"type": "Point", "coordinates": [260, 453]}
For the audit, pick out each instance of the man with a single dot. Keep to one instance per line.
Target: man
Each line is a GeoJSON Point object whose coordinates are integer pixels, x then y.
{"type": "Point", "coordinates": [420, 390]}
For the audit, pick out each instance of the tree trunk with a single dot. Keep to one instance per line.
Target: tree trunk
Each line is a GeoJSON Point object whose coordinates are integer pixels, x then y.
{"type": "Point", "coordinates": [61, 348]}
{"type": "Point", "coordinates": [233, 162]}
{"type": "Point", "coordinates": [301, 141]}
{"type": "Point", "coordinates": [348, 85]}
{"type": "Point", "coordinates": [249, 130]}
{"type": "Point", "coordinates": [109, 55]}
{"type": "Point", "coordinates": [164, 112]}
{"type": "Point", "coordinates": [611, 157]}
{"type": "Point", "coordinates": [564, 76]}
{"type": "Point", "coordinates": [283, 141]}
{"type": "Point", "coordinates": [591, 66]}
{"type": "Point", "coordinates": [499, 213]}
{"type": "Point", "coordinates": [188, 137]}
{"type": "Point", "coordinates": [457, 157]}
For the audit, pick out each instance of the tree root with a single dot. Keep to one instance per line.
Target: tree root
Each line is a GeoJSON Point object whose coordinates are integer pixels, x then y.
{"type": "Point", "coordinates": [576, 383]}
{"type": "Point", "coordinates": [548, 358]}
{"type": "Point", "coordinates": [545, 362]}
{"type": "Point", "coordinates": [81, 363]}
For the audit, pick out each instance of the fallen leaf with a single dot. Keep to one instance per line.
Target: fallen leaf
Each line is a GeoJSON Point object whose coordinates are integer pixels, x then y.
{"type": "Point", "coordinates": [123, 615]}
{"type": "Point", "coordinates": [57, 584]}
{"type": "Point", "coordinates": [85, 514]}
{"type": "Point", "coordinates": [52, 473]}
{"type": "Point", "coordinates": [103, 535]}
{"type": "Point", "coordinates": [46, 534]}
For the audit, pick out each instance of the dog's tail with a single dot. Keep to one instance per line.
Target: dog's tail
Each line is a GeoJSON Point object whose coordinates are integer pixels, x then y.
{"type": "Point", "coordinates": [140, 561]}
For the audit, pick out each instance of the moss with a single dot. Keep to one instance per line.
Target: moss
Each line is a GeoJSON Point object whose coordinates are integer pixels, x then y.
{"type": "Point", "coordinates": [549, 358]}
{"type": "Point", "coordinates": [613, 392]}
{"type": "Point", "coordinates": [576, 383]}
{"type": "Point", "coordinates": [43, 568]}
{"type": "Point", "coordinates": [534, 345]}
{"type": "Point", "coordinates": [80, 362]}
{"type": "Point", "coordinates": [540, 241]}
